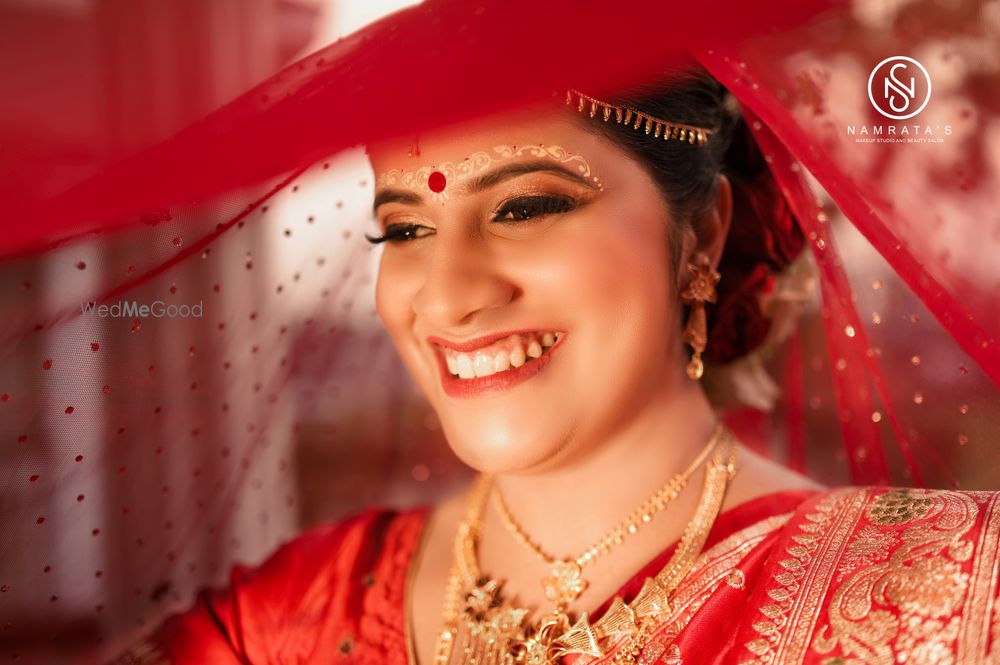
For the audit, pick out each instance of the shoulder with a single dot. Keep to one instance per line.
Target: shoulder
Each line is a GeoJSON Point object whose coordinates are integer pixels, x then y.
{"type": "Point", "coordinates": [895, 507]}
{"type": "Point", "coordinates": [335, 557]}
{"type": "Point", "coordinates": [758, 477]}
{"type": "Point", "coordinates": [880, 572]}
{"type": "Point", "coordinates": [326, 591]}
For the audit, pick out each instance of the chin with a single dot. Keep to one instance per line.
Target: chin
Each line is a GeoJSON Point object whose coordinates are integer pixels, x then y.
{"type": "Point", "coordinates": [501, 450]}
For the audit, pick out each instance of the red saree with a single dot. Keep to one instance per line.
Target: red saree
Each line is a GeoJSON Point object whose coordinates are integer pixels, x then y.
{"type": "Point", "coordinates": [872, 575]}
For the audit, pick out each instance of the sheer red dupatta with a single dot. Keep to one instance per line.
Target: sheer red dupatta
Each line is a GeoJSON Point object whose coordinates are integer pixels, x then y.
{"type": "Point", "coordinates": [920, 205]}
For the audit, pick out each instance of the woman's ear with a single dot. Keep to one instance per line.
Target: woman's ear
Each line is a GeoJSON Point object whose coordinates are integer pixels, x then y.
{"type": "Point", "coordinates": [710, 239]}
{"type": "Point", "coordinates": [715, 229]}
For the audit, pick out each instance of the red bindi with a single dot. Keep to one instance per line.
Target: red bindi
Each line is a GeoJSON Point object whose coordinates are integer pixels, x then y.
{"type": "Point", "coordinates": [436, 182]}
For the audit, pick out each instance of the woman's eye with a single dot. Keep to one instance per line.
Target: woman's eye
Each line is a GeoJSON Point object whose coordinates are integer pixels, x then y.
{"type": "Point", "coordinates": [400, 233]}
{"type": "Point", "coordinates": [524, 208]}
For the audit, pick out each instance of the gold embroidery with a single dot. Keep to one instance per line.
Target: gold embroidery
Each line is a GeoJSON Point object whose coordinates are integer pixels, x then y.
{"type": "Point", "coordinates": [925, 641]}
{"type": "Point", "coordinates": [981, 603]}
{"type": "Point", "coordinates": [995, 650]}
{"type": "Point", "coordinates": [708, 573]}
{"type": "Point", "coordinates": [899, 506]}
{"type": "Point", "coordinates": [872, 544]}
{"type": "Point", "coordinates": [661, 651]}
{"type": "Point", "coordinates": [480, 161]}
{"type": "Point", "coordinates": [920, 585]}
{"type": "Point", "coordinates": [787, 624]}
{"type": "Point", "coordinates": [736, 579]}
{"type": "Point", "coordinates": [911, 584]}
{"type": "Point", "coordinates": [929, 586]}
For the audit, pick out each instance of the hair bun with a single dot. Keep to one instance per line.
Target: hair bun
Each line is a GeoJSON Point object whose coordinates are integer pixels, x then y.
{"type": "Point", "coordinates": [764, 238]}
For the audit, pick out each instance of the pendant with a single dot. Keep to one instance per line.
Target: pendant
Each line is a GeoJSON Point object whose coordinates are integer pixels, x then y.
{"type": "Point", "coordinates": [540, 646]}
{"type": "Point", "coordinates": [486, 614]}
{"type": "Point", "coordinates": [564, 584]}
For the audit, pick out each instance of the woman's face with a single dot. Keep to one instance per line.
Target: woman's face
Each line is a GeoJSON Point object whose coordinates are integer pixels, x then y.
{"type": "Point", "coordinates": [528, 289]}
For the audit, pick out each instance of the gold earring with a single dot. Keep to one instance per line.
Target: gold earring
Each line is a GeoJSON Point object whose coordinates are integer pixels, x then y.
{"type": "Point", "coordinates": [700, 289]}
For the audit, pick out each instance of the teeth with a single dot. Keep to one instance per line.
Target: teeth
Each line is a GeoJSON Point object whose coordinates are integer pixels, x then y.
{"type": "Point", "coordinates": [501, 361]}
{"type": "Point", "coordinates": [465, 370]}
{"type": "Point", "coordinates": [508, 353]}
{"type": "Point", "coordinates": [483, 364]}
{"type": "Point", "coordinates": [517, 357]}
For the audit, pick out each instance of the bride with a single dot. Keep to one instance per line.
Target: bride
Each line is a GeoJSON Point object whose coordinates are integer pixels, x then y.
{"type": "Point", "coordinates": [560, 282]}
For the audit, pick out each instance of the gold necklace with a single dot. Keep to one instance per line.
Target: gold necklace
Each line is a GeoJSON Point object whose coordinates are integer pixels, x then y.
{"type": "Point", "coordinates": [481, 627]}
{"type": "Point", "coordinates": [564, 584]}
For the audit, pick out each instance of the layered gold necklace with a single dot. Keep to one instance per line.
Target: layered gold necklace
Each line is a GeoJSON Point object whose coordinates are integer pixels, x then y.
{"type": "Point", "coordinates": [482, 628]}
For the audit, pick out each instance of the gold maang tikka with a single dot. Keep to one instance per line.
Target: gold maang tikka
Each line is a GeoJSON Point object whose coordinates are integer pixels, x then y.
{"type": "Point", "coordinates": [702, 279]}
{"type": "Point", "coordinates": [626, 115]}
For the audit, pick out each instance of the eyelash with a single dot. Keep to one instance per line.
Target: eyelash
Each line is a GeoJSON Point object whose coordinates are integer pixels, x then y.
{"type": "Point", "coordinates": [396, 233]}
{"type": "Point", "coordinates": [514, 211]}
{"type": "Point", "coordinates": [533, 206]}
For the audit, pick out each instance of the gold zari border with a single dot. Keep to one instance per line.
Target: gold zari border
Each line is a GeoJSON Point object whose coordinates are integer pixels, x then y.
{"type": "Point", "coordinates": [712, 569]}
{"type": "Point", "coordinates": [884, 576]}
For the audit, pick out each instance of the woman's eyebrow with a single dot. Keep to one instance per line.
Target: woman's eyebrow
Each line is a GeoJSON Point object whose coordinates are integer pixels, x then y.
{"type": "Point", "coordinates": [487, 180]}
{"type": "Point", "coordinates": [396, 196]}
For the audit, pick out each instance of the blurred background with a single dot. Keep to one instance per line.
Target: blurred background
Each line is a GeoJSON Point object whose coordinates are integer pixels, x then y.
{"type": "Point", "coordinates": [140, 460]}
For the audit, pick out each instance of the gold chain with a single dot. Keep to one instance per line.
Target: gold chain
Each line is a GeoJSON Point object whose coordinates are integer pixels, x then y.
{"type": "Point", "coordinates": [642, 515]}
{"type": "Point", "coordinates": [496, 632]}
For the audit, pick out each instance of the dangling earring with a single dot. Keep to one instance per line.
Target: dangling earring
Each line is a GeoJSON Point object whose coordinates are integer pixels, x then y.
{"type": "Point", "coordinates": [700, 289]}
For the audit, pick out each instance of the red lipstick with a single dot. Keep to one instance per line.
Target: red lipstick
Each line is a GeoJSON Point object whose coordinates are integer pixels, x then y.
{"type": "Point", "coordinates": [494, 383]}
{"type": "Point", "coordinates": [479, 342]}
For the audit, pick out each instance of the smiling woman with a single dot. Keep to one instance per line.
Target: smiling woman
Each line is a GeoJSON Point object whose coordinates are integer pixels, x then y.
{"type": "Point", "coordinates": [551, 278]}
{"type": "Point", "coordinates": [517, 245]}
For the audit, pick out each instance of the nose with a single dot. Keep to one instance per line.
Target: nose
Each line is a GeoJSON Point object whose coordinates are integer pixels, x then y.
{"type": "Point", "coordinates": [463, 281]}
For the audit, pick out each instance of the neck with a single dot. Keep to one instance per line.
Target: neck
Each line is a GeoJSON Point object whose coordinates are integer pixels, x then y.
{"type": "Point", "coordinates": [622, 470]}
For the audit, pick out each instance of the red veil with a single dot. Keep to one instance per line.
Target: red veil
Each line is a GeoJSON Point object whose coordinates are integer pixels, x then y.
{"type": "Point", "coordinates": [145, 454]}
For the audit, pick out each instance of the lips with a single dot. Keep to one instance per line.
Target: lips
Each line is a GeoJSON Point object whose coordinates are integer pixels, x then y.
{"type": "Point", "coordinates": [493, 363]}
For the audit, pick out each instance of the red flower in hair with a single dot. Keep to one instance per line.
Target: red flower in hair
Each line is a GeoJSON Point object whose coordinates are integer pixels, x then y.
{"type": "Point", "coordinates": [737, 325]}
{"type": "Point", "coordinates": [764, 237]}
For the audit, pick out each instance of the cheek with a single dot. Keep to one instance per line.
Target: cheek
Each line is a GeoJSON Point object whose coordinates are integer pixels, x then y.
{"type": "Point", "coordinates": [618, 267]}
{"type": "Point", "coordinates": [394, 288]}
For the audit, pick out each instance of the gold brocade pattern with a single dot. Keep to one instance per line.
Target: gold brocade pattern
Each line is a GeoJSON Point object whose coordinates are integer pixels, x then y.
{"type": "Point", "coordinates": [710, 572]}
{"type": "Point", "coordinates": [776, 627]}
{"type": "Point", "coordinates": [975, 633]}
{"type": "Point", "coordinates": [879, 576]}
